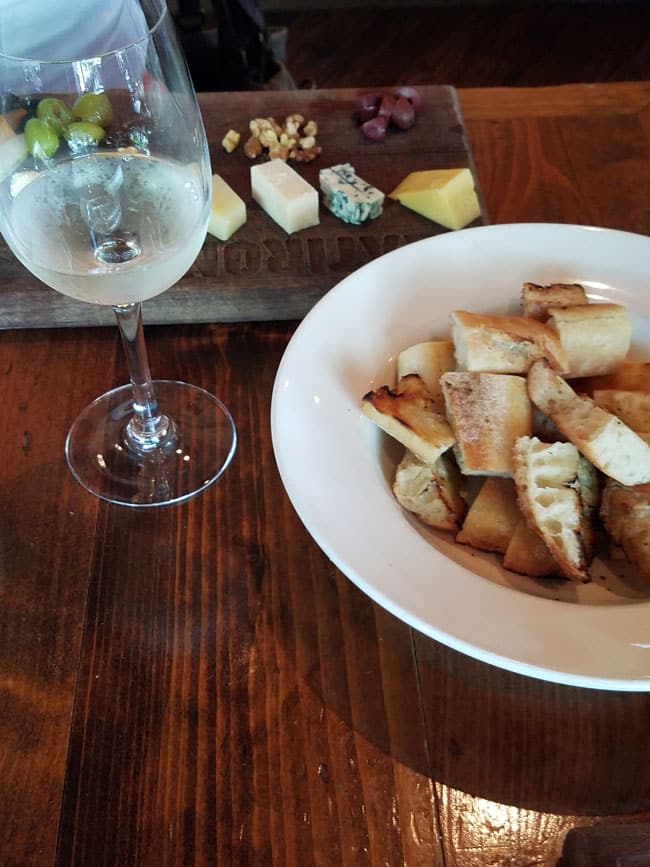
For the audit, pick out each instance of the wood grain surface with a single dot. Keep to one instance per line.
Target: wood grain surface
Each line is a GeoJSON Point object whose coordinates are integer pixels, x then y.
{"type": "Point", "coordinates": [198, 685]}
{"type": "Point", "coordinates": [477, 43]}
{"type": "Point", "coordinates": [261, 273]}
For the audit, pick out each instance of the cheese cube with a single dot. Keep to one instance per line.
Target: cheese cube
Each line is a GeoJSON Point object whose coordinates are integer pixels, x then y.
{"type": "Point", "coordinates": [285, 196]}
{"type": "Point", "coordinates": [228, 210]}
{"type": "Point", "coordinates": [446, 196]}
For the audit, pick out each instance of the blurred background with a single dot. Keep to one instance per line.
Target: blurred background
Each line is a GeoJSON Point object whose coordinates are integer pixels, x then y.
{"type": "Point", "coordinates": [255, 44]}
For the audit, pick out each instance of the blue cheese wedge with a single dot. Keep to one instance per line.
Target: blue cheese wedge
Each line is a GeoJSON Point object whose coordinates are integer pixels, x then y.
{"type": "Point", "coordinates": [348, 197]}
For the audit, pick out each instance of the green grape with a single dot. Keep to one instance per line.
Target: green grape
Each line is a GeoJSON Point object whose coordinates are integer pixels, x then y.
{"type": "Point", "coordinates": [54, 113]}
{"type": "Point", "coordinates": [83, 134]}
{"type": "Point", "coordinates": [41, 139]}
{"type": "Point", "coordinates": [94, 108]}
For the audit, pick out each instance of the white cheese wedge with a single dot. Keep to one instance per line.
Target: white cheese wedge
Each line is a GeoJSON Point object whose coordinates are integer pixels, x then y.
{"type": "Point", "coordinates": [285, 196]}
{"type": "Point", "coordinates": [446, 196]}
{"type": "Point", "coordinates": [228, 210]}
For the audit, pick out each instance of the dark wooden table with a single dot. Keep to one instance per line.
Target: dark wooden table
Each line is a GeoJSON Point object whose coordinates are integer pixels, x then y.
{"type": "Point", "coordinates": [199, 685]}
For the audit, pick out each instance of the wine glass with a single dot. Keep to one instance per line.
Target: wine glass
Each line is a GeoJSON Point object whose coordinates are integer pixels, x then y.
{"type": "Point", "coordinates": [105, 189]}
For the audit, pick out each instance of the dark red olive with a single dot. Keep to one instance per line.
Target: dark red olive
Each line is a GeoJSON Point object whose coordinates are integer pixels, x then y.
{"type": "Point", "coordinates": [386, 106]}
{"type": "Point", "coordinates": [403, 114]}
{"type": "Point", "coordinates": [375, 128]}
{"type": "Point", "coordinates": [412, 95]}
{"type": "Point", "coordinates": [366, 105]}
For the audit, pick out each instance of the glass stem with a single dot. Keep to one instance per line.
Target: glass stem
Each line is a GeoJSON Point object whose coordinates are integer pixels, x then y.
{"type": "Point", "coordinates": [148, 428]}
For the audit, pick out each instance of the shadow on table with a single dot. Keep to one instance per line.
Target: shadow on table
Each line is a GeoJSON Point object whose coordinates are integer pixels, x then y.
{"type": "Point", "coordinates": [468, 725]}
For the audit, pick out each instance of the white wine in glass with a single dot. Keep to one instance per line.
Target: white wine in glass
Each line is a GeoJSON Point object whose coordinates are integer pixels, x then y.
{"type": "Point", "coordinates": [105, 196]}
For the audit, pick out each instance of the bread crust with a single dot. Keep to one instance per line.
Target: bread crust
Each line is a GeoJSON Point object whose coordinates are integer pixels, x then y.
{"type": "Point", "coordinates": [407, 414]}
{"type": "Point", "coordinates": [537, 301]}
{"type": "Point", "coordinates": [608, 443]}
{"type": "Point", "coordinates": [492, 517]}
{"type": "Point", "coordinates": [528, 555]}
{"type": "Point", "coordinates": [429, 360]}
{"type": "Point", "coordinates": [548, 491]}
{"type": "Point", "coordinates": [595, 337]}
{"type": "Point", "coordinates": [632, 407]}
{"type": "Point", "coordinates": [487, 412]}
{"type": "Point", "coordinates": [625, 512]}
{"type": "Point", "coordinates": [630, 376]}
{"type": "Point", "coordinates": [432, 492]}
{"type": "Point", "coordinates": [503, 344]}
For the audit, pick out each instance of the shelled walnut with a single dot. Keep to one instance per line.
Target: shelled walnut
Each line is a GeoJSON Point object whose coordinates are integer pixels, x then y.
{"type": "Point", "coordinates": [230, 140]}
{"type": "Point", "coordinates": [253, 148]}
{"type": "Point", "coordinates": [295, 140]}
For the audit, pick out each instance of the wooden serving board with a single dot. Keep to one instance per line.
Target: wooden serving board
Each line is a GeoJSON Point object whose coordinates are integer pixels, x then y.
{"type": "Point", "coordinates": [262, 273]}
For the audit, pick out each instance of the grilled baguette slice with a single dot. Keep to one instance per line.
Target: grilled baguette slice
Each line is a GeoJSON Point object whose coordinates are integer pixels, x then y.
{"type": "Point", "coordinates": [548, 491]}
{"type": "Point", "coordinates": [608, 443]}
{"type": "Point", "coordinates": [625, 512]}
{"type": "Point", "coordinates": [492, 517]}
{"type": "Point", "coordinates": [487, 412]}
{"type": "Point", "coordinates": [545, 428]}
{"type": "Point", "coordinates": [632, 407]}
{"type": "Point", "coordinates": [630, 376]}
{"type": "Point", "coordinates": [407, 414]}
{"type": "Point", "coordinates": [590, 492]}
{"type": "Point", "coordinates": [528, 555]}
{"type": "Point", "coordinates": [429, 360]}
{"type": "Point", "coordinates": [595, 337]}
{"type": "Point", "coordinates": [537, 301]}
{"type": "Point", "coordinates": [503, 344]}
{"type": "Point", "coordinates": [432, 492]}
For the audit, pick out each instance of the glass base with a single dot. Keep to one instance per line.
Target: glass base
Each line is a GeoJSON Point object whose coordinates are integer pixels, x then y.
{"type": "Point", "coordinates": [199, 444]}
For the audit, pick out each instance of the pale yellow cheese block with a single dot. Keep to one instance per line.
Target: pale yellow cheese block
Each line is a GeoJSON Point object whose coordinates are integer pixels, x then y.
{"type": "Point", "coordinates": [228, 210]}
{"type": "Point", "coordinates": [446, 196]}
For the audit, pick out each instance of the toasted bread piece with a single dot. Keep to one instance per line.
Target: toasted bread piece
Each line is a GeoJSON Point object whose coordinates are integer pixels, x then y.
{"type": "Point", "coordinates": [537, 301]}
{"type": "Point", "coordinates": [625, 512]}
{"type": "Point", "coordinates": [595, 337]}
{"type": "Point", "coordinates": [632, 407]}
{"type": "Point", "coordinates": [614, 550]}
{"type": "Point", "coordinates": [545, 428]}
{"type": "Point", "coordinates": [630, 376]}
{"type": "Point", "coordinates": [492, 517]}
{"type": "Point", "coordinates": [487, 412]}
{"type": "Point", "coordinates": [610, 445]}
{"type": "Point", "coordinates": [503, 344]}
{"type": "Point", "coordinates": [589, 490]}
{"type": "Point", "coordinates": [547, 481]}
{"type": "Point", "coordinates": [432, 492]}
{"type": "Point", "coordinates": [407, 414]}
{"type": "Point", "coordinates": [528, 555]}
{"type": "Point", "coordinates": [429, 360]}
